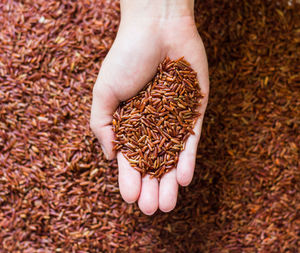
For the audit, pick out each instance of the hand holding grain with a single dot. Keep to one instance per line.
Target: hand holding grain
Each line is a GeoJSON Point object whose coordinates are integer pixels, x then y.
{"type": "Point", "coordinates": [130, 64]}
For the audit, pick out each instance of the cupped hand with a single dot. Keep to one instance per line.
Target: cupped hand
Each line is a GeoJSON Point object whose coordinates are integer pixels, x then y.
{"type": "Point", "coordinates": [130, 64]}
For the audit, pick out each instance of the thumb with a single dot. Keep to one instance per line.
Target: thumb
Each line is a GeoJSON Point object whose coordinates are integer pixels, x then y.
{"type": "Point", "coordinates": [103, 106]}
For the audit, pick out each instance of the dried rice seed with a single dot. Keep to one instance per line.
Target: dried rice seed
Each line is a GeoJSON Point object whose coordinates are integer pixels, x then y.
{"type": "Point", "coordinates": [174, 96]}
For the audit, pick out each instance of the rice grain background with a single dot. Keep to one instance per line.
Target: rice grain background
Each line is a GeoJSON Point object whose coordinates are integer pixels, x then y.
{"type": "Point", "coordinates": [58, 194]}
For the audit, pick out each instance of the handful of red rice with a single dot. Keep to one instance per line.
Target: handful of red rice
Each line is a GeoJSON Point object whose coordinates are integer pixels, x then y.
{"type": "Point", "coordinates": [152, 127]}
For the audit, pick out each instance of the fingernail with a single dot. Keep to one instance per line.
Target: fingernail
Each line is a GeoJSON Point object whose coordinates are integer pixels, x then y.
{"type": "Point", "coordinates": [104, 151]}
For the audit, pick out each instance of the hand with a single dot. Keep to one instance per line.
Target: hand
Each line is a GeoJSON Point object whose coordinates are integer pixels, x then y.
{"type": "Point", "coordinates": [142, 42]}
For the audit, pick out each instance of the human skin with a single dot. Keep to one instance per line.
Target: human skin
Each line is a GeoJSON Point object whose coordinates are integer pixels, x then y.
{"type": "Point", "coordinates": [149, 31]}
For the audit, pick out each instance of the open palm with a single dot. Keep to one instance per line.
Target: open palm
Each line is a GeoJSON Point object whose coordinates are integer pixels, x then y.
{"type": "Point", "coordinates": [130, 64]}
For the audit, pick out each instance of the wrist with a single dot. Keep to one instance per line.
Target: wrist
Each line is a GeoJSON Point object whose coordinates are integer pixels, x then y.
{"type": "Point", "coordinates": [159, 10]}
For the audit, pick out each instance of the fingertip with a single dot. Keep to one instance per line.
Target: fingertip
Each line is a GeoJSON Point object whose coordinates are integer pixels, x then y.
{"type": "Point", "coordinates": [148, 200]}
{"type": "Point", "coordinates": [147, 210]}
{"type": "Point", "coordinates": [108, 155]}
{"type": "Point", "coordinates": [167, 208]}
{"type": "Point", "coordinates": [105, 136]}
{"type": "Point", "coordinates": [187, 158]}
{"type": "Point", "coordinates": [102, 110]}
{"type": "Point", "coordinates": [168, 191]}
{"type": "Point", "coordinates": [184, 179]}
{"type": "Point", "coordinates": [130, 199]}
{"type": "Point", "coordinates": [185, 168]}
{"type": "Point", "coordinates": [129, 180]}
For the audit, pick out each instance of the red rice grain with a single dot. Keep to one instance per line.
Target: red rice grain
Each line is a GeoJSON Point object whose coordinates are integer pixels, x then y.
{"type": "Point", "coordinates": [164, 113]}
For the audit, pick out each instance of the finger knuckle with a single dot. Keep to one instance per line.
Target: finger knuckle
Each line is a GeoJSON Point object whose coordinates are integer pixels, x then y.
{"type": "Point", "coordinates": [93, 124]}
{"type": "Point", "coordinates": [97, 90]}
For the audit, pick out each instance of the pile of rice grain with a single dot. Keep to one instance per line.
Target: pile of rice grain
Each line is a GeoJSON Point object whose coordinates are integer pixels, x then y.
{"type": "Point", "coordinates": [152, 127]}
